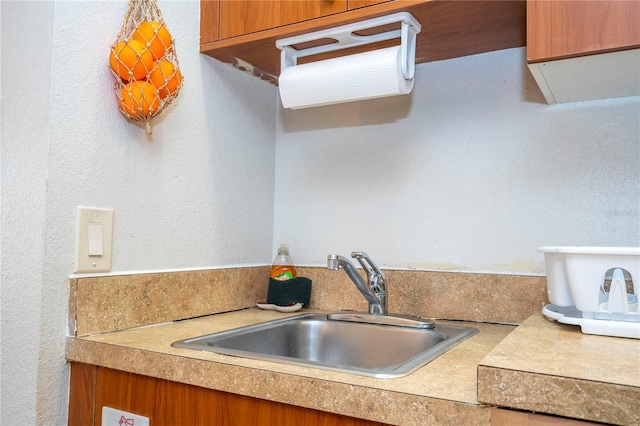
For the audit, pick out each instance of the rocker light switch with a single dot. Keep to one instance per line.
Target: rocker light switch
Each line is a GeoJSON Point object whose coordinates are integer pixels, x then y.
{"type": "Point", "coordinates": [94, 233]}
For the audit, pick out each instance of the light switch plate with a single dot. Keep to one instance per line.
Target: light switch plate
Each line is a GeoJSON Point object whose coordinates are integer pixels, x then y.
{"type": "Point", "coordinates": [96, 219]}
{"type": "Point", "coordinates": [113, 417]}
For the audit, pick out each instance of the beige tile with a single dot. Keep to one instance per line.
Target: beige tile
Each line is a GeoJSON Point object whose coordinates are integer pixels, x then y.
{"type": "Point", "coordinates": [71, 312]}
{"type": "Point", "coordinates": [563, 396]}
{"type": "Point", "coordinates": [448, 295]}
{"type": "Point", "coordinates": [442, 392]}
{"type": "Point", "coordinates": [118, 302]}
{"type": "Point", "coordinates": [554, 368]}
{"type": "Point", "coordinates": [547, 347]}
{"type": "Point", "coordinates": [101, 304]}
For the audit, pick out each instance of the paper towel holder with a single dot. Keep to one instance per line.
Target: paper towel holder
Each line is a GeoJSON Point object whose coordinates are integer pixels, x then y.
{"type": "Point", "coordinates": [345, 38]}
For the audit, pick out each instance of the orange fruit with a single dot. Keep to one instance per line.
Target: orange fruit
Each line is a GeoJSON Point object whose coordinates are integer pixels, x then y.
{"type": "Point", "coordinates": [155, 36]}
{"type": "Point", "coordinates": [165, 78]}
{"type": "Point", "coordinates": [139, 99]}
{"type": "Point", "coordinates": [131, 60]}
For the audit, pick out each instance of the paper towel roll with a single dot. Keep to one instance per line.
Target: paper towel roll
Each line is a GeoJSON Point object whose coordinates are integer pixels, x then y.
{"type": "Point", "coordinates": [367, 75]}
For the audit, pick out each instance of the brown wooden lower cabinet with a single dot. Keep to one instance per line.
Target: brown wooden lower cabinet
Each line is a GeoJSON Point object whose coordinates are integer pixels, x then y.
{"type": "Point", "coordinates": [168, 403]}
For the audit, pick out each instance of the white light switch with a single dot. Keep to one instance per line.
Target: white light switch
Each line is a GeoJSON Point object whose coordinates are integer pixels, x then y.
{"type": "Point", "coordinates": [94, 233]}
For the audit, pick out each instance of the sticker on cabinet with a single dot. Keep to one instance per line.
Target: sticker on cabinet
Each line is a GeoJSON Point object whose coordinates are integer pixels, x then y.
{"type": "Point", "coordinates": [113, 417]}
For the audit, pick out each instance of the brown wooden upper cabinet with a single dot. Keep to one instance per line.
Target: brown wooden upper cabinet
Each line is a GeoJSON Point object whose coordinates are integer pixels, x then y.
{"type": "Point", "coordinates": [239, 17]}
{"type": "Point", "coordinates": [558, 29]}
{"type": "Point", "coordinates": [583, 50]}
{"type": "Point", "coordinates": [209, 16]}
{"type": "Point", "coordinates": [245, 17]}
{"type": "Point", "coordinates": [244, 33]}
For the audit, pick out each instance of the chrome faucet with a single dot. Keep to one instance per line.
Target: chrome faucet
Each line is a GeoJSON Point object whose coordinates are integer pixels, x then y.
{"type": "Point", "coordinates": [375, 290]}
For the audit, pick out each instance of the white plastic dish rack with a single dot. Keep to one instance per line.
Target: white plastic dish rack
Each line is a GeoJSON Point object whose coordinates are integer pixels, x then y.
{"type": "Point", "coordinates": [596, 288]}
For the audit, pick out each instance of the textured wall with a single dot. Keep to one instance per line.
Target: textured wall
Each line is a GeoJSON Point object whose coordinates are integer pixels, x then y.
{"type": "Point", "coordinates": [472, 172]}
{"type": "Point", "coordinates": [199, 195]}
{"type": "Point", "coordinates": [26, 82]}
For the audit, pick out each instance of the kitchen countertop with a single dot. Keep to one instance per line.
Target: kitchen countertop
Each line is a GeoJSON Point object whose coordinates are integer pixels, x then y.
{"type": "Point", "coordinates": [544, 366]}
{"type": "Point", "coordinates": [538, 366]}
{"type": "Point", "coordinates": [443, 390]}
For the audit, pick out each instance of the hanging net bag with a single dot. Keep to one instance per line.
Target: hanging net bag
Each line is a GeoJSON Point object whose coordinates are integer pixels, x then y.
{"type": "Point", "coordinates": [144, 64]}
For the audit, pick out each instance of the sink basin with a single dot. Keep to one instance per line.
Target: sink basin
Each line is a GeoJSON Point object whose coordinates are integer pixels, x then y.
{"type": "Point", "coordinates": [314, 340]}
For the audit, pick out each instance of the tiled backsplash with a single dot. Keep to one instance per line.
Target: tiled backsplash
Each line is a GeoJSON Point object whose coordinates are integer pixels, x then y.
{"type": "Point", "coordinates": [102, 304]}
{"type": "Point", "coordinates": [446, 295]}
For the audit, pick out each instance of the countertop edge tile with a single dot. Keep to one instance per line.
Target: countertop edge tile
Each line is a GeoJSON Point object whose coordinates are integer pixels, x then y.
{"type": "Point", "coordinates": [543, 366]}
{"type": "Point", "coordinates": [562, 396]}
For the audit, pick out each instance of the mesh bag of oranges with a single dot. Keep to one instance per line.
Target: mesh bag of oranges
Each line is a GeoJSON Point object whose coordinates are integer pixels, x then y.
{"type": "Point", "coordinates": [144, 64]}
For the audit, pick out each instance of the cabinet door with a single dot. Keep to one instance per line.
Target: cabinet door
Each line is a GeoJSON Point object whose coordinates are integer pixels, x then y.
{"type": "Point", "coordinates": [209, 20]}
{"type": "Point", "coordinates": [238, 17]}
{"type": "Point", "coordinates": [560, 28]}
{"type": "Point", "coordinates": [82, 395]}
{"type": "Point", "coordinates": [168, 403]}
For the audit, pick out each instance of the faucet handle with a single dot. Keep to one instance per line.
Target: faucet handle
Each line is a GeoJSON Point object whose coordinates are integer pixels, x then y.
{"type": "Point", "coordinates": [360, 255]}
{"type": "Point", "coordinates": [368, 265]}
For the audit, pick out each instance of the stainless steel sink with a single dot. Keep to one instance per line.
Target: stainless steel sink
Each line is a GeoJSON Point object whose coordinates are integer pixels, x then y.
{"type": "Point", "coordinates": [314, 340]}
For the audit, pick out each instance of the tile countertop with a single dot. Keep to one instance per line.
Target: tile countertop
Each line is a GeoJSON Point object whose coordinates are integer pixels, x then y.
{"type": "Point", "coordinates": [544, 366]}
{"type": "Point", "coordinates": [442, 392]}
{"type": "Point", "coordinates": [539, 366]}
